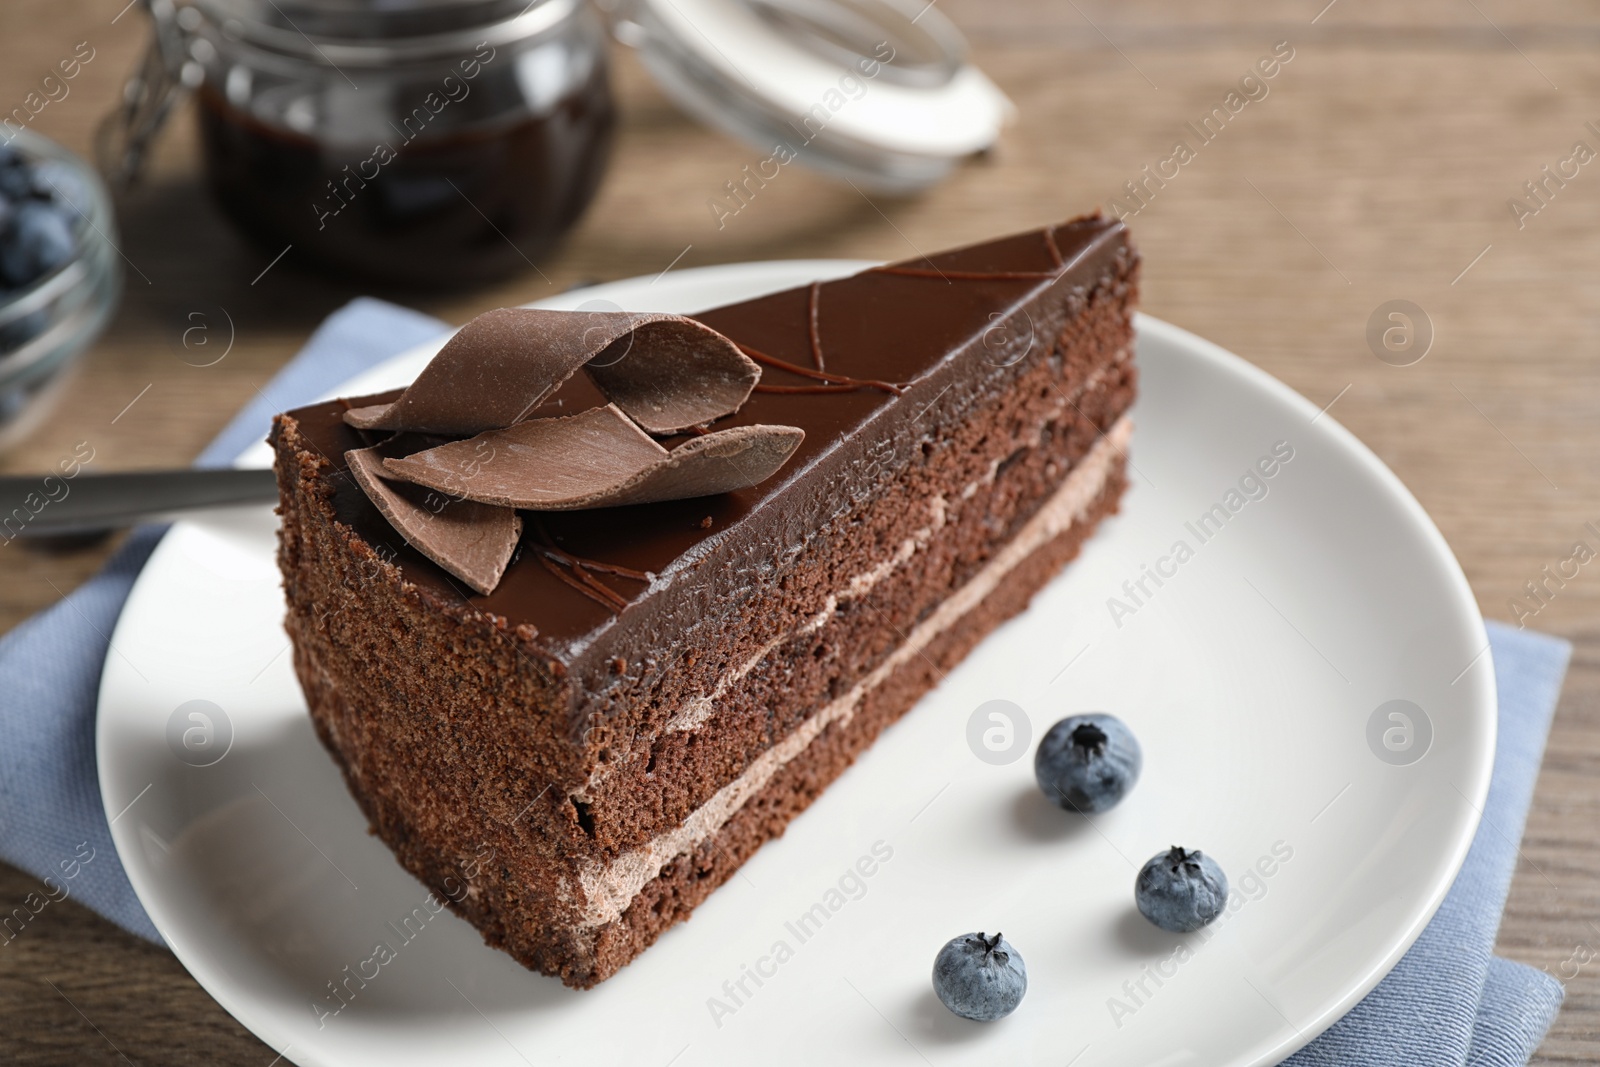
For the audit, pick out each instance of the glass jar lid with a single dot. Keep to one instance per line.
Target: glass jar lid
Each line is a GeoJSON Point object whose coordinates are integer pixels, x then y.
{"type": "Point", "coordinates": [374, 33]}
{"type": "Point", "coordinates": [362, 19]}
{"type": "Point", "coordinates": [879, 92]}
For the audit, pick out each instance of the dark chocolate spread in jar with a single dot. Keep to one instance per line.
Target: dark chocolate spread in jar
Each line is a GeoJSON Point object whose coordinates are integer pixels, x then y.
{"type": "Point", "coordinates": [433, 142]}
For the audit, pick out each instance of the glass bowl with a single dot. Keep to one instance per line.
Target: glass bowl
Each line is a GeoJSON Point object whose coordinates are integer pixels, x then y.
{"type": "Point", "coordinates": [46, 326]}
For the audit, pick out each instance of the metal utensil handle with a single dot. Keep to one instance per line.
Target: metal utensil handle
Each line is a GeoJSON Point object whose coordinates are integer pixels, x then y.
{"type": "Point", "coordinates": [34, 506]}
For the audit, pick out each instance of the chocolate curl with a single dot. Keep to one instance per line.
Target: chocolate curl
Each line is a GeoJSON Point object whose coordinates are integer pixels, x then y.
{"type": "Point", "coordinates": [717, 462]}
{"type": "Point", "coordinates": [667, 372]}
{"type": "Point", "coordinates": [596, 459]}
{"type": "Point", "coordinates": [471, 540]}
{"type": "Point", "coordinates": [541, 459]}
{"type": "Point", "coordinates": [674, 373]}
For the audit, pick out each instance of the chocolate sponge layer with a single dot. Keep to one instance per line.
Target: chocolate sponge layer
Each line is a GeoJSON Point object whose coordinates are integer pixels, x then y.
{"type": "Point", "coordinates": [460, 728]}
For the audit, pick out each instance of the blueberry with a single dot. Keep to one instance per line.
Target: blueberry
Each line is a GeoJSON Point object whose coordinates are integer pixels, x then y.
{"type": "Point", "coordinates": [38, 241]}
{"type": "Point", "coordinates": [57, 182]}
{"type": "Point", "coordinates": [1181, 891]}
{"type": "Point", "coordinates": [16, 177]}
{"type": "Point", "coordinates": [1088, 762]}
{"type": "Point", "coordinates": [16, 270]}
{"type": "Point", "coordinates": [980, 977]}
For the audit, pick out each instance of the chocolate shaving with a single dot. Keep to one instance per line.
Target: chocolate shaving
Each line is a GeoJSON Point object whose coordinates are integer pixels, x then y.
{"type": "Point", "coordinates": [596, 459]}
{"type": "Point", "coordinates": [579, 576]}
{"type": "Point", "coordinates": [814, 307]}
{"type": "Point", "coordinates": [806, 390]}
{"type": "Point", "coordinates": [583, 562]}
{"type": "Point", "coordinates": [584, 584]}
{"type": "Point", "coordinates": [821, 376]}
{"type": "Point", "coordinates": [471, 540]}
{"type": "Point", "coordinates": [667, 372]}
{"type": "Point", "coordinates": [1056, 258]}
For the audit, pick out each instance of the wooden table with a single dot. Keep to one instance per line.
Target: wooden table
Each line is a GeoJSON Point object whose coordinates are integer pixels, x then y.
{"type": "Point", "coordinates": [1378, 168]}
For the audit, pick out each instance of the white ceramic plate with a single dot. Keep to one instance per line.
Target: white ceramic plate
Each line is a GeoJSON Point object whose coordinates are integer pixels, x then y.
{"type": "Point", "coordinates": [1252, 675]}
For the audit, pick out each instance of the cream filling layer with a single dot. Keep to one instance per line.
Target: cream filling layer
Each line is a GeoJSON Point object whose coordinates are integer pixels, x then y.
{"type": "Point", "coordinates": [608, 888]}
{"type": "Point", "coordinates": [698, 710]}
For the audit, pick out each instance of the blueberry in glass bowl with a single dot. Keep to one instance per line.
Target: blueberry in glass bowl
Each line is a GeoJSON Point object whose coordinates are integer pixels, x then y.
{"type": "Point", "coordinates": [59, 272]}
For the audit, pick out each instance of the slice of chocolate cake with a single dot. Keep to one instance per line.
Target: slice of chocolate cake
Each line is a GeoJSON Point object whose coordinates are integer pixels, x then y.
{"type": "Point", "coordinates": [650, 691]}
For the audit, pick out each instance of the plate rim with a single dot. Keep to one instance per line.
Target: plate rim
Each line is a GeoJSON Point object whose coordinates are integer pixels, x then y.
{"type": "Point", "coordinates": [1487, 715]}
{"type": "Point", "coordinates": [1484, 712]}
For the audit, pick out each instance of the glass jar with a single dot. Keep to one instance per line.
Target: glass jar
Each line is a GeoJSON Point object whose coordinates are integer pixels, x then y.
{"type": "Point", "coordinates": [46, 326]}
{"type": "Point", "coordinates": [416, 141]}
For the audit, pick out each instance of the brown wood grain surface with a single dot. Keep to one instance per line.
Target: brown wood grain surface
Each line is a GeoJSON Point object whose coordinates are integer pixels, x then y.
{"type": "Point", "coordinates": [1378, 167]}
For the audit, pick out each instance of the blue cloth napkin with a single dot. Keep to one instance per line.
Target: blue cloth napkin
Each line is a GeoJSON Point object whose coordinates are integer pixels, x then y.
{"type": "Point", "coordinates": [1448, 1001]}
{"type": "Point", "coordinates": [50, 809]}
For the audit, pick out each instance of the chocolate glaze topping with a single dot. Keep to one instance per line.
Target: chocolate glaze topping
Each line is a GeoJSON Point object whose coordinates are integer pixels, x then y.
{"type": "Point", "coordinates": [922, 324]}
